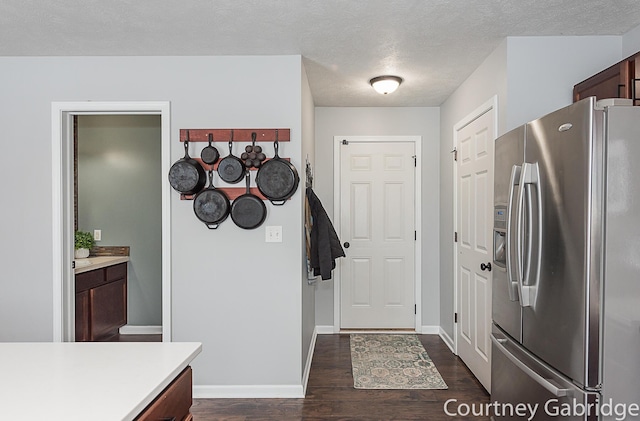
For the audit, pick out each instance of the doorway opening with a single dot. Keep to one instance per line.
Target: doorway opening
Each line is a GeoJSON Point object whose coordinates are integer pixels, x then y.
{"type": "Point", "coordinates": [65, 221]}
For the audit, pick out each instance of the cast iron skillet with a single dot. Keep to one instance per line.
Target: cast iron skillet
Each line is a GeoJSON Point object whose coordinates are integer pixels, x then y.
{"type": "Point", "coordinates": [211, 206]}
{"type": "Point", "coordinates": [187, 175]}
{"type": "Point", "coordinates": [231, 168]}
{"type": "Point", "coordinates": [248, 211]}
{"type": "Point", "coordinates": [277, 179]}
{"type": "Point", "coordinates": [209, 154]}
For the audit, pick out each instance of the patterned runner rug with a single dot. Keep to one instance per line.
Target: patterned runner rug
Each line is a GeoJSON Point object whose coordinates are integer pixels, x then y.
{"type": "Point", "coordinates": [386, 361]}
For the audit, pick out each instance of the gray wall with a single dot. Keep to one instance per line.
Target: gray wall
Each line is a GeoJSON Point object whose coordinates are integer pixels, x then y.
{"type": "Point", "coordinates": [543, 70]}
{"type": "Point", "coordinates": [531, 76]}
{"type": "Point", "coordinates": [248, 320]}
{"type": "Point", "coordinates": [409, 121]}
{"type": "Point", "coordinates": [631, 42]}
{"type": "Point", "coordinates": [120, 193]}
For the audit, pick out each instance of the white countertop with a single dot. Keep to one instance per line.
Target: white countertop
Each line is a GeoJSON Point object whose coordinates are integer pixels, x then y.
{"type": "Point", "coordinates": [87, 380]}
{"type": "Point", "coordinates": [97, 262]}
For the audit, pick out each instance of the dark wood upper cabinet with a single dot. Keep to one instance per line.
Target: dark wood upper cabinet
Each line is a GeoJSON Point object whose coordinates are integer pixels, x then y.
{"type": "Point", "coordinates": [618, 81]}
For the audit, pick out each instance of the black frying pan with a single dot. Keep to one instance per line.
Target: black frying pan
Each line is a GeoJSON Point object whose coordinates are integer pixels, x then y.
{"type": "Point", "coordinates": [231, 168]}
{"type": "Point", "coordinates": [211, 206]}
{"type": "Point", "coordinates": [248, 211]}
{"type": "Point", "coordinates": [277, 178]}
{"type": "Point", "coordinates": [187, 175]}
{"type": "Point", "coordinates": [209, 154]}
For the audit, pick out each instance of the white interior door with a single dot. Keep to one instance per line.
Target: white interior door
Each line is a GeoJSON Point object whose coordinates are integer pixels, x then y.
{"type": "Point", "coordinates": [377, 194]}
{"type": "Point", "coordinates": [475, 145]}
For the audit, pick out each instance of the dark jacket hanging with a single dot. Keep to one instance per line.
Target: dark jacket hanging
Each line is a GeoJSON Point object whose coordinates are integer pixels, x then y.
{"type": "Point", "coordinates": [325, 244]}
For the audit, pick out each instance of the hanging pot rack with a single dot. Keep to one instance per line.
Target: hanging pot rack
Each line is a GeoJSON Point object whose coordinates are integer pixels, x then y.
{"type": "Point", "coordinates": [239, 136]}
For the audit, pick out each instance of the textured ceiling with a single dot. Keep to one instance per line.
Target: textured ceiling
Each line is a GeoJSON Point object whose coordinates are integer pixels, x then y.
{"type": "Point", "coordinates": [433, 44]}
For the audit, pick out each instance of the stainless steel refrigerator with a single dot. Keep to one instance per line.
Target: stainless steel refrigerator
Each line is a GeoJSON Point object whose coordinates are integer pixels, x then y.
{"type": "Point", "coordinates": [566, 284]}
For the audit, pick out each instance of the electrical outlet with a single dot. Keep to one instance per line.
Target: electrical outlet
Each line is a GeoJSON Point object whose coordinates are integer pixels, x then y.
{"type": "Point", "coordinates": [97, 235]}
{"type": "Point", "coordinates": [273, 234]}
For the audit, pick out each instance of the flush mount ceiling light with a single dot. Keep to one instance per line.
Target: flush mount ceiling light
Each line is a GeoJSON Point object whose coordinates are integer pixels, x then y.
{"type": "Point", "coordinates": [385, 84]}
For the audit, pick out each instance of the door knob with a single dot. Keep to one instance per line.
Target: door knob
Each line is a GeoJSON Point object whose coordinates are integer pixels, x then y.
{"type": "Point", "coordinates": [346, 244]}
{"type": "Point", "coordinates": [485, 267]}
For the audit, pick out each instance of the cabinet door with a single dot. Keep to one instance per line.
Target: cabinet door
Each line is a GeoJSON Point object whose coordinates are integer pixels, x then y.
{"type": "Point", "coordinates": [82, 317]}
{"type": "Point", "coordinates": [609, 83]}
{"type": "Point", "coordinates": [174, 402]}
{"type": "Point", "coordinates": [108, 308]}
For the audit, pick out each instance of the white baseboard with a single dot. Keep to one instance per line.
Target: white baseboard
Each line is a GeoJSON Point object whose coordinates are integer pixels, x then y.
{"type": "Point", "coordinates": [325, 330]}
{"type": "Point", "coordinates": [426, 330]}
{"type": "Point", "coordinates": [447, 340]}
{"type": "Point", "coordinates": [381, 331]}
{"type": "Point", "coordinates": [307, 366]}
{"type": "Point", "coordinates": [430, 330]}
{"type": "Point", "coordinates": [244, 392]}
{"type": "Point", "coordinates": [140, 330]}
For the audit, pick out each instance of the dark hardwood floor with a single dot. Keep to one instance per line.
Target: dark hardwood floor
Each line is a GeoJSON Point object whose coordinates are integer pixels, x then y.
{"type": "Point", "coordinates": [133, 338]}
{"type": "Point", "coordinates": [331, 396]}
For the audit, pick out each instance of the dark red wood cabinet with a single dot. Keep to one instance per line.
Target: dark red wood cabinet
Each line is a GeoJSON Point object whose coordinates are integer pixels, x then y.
{"type": "Point", "coordinates": [174, 403]}
{"type": "Point", "coordinates": [101, 302]}
{"type": "Point", "coordinates": [622, 80]}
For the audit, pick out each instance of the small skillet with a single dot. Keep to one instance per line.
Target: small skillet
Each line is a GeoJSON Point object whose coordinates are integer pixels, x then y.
{"type": "Point", "coordinates": [231, 168]}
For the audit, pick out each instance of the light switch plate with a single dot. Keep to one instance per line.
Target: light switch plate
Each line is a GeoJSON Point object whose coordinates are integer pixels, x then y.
{"type": "Point", "coordinates": [97, 235]}
{"type": "Point", "coordinates": [273, 234]}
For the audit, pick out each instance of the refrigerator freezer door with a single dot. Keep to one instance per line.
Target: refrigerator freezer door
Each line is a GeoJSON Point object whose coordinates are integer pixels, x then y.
{"type": "Point", "coordinates": [621, 367]}
{"type": "Point", "coordinates": [520, 380]}
{"type": "Point", "coordinates": [509, 155]}
{"type": "Point", "coordinates": [555, 327]}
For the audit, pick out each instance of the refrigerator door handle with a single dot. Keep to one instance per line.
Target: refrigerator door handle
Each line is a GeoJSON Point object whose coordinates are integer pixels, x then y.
{"type": "Point", "coordinates": [546, 383]}
{"type": "Point", "coordinates": [529, 175]}
{"type": "Point", "coordinates": [512, 283]}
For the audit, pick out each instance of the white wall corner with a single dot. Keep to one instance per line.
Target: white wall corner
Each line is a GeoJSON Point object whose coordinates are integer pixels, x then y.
{"type": "Point", "coordinates": [325, 330]}
{"type": "Point", "coordinates": [430, 330]}
{"type": "Point", "coordinates": [248, 392]}
{"type": "Point", "coordinates": [447, 340]}
{"type": "Point", "coordinates": [307, 366]}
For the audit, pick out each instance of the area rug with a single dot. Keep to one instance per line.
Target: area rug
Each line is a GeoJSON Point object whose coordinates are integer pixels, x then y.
{"type": "Point", "coordinates": [386, 361]}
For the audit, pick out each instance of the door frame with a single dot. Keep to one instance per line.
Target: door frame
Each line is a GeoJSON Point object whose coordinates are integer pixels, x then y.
{"type": "Point", "coordinates": [337, 183]}
{"type": "Point", "coordinates": [62, 114]}
{"type": "Point", "coordinates": [491, 104]}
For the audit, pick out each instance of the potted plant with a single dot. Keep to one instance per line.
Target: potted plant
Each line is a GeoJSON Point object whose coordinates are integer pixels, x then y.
{"type": "Point", "coordinates": [84, 243]}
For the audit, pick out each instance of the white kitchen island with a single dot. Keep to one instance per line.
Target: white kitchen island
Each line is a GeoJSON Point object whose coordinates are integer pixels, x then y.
{"type": "Point", "coordinates": [87, 381]}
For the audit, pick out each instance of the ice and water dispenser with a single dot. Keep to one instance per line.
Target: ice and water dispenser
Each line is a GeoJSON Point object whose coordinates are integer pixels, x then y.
{"type": "Point", "coordinates": [499, 236]}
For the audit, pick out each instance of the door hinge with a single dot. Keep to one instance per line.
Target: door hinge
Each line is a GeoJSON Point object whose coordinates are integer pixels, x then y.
{"type": "Point", "coordinates": [455, 317]}
{"type": "Point", "coordinates": [344, 142]}
{"type": "Point", "coordinates": [455, 237]}
{"type": "Point", "coordinates": [415, 236]}
{"type": "Point", "coordinates": [415, 309]}
{"type": "Point", "coordinates": [415, 160]}
{"type": "Point", "coordinates": [455, 154]}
